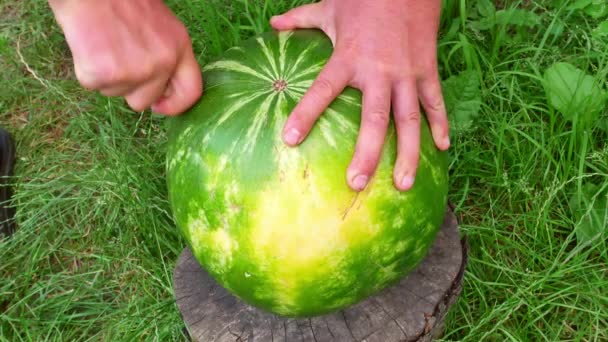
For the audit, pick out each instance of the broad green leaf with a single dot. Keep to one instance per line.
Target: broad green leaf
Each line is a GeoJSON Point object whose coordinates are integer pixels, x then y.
{"type": "Point", "coordinates": [486, 8]}
{"type": "Point", "coordinates": [462, 96]}
{"type": "Point", "coordinates": [580, 4]}
{"type": "Point", "coordinates": [573, 93]}
{"type": "Point", "coordinates": [484, 24]}
{"type": "Point", "coordinates": [594, 8]}
{"type": "Point", "coordinates": [512, 16]}
{"type": "Point", "coordinates": [598, 9]}
{"type": "Point", "coordinates": [517, 17]}
{"type": "Point", "coordinates": [591, 211]}
{"type": "Point", "coordinates": [601, 30]}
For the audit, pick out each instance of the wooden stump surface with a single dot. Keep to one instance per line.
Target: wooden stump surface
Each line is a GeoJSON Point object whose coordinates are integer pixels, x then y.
{"type": "Point", "coordinates": [412, 310]}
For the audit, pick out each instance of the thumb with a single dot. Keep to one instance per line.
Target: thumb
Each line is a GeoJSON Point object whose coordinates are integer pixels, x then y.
{"type": "Point", "coordinates": [305, 16]}
{"type": "Point", "coordinates": [183, 89]}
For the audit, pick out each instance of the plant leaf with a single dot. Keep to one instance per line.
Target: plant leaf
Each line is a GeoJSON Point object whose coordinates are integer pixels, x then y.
{"type": "Point", "coordinates": [511, 16]}
{"type": "Point", "coordinates": [601, 30]}
{"type": "Point", "coordinates": [597, 9]}
{"type": "Point", "coordinates": [579, 4]}
{"type": "Point", "coordinates": [462, 97]}
{"type": "Point", "coordinates": [484, 24]}
{"type": "Point", "coordinates": [594, 8]}
{"type": "Point", "coordinates": [591, 210]}
{"type": "Point", "coordinates": [517, 17]}
{"type": "Point", "coordinates": [486, 8]}
{"type": "Point", "coordinates": [573, 93]}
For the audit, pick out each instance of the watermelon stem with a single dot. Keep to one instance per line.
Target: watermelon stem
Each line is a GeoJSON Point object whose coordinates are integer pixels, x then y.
{"type": "Point", "coordinates": [279, 85]}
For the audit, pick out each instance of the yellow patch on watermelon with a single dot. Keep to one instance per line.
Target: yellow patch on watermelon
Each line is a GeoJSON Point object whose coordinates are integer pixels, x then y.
{"type": "Point", "coordinates": [304, 228]}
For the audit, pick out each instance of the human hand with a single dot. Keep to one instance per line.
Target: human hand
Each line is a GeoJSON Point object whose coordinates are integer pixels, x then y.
{"type": "Point", "coordinates": [386, 49]}
{"type": "Point", "coordinates": [136, 49]}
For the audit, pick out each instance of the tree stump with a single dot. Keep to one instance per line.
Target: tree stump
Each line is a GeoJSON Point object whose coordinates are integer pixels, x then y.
{"type": "Point", "coordinates": [412, 310]}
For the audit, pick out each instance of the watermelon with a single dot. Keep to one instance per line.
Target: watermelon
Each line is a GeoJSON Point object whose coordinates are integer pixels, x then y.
{"type": "Point", "coordinates": [278, 226]}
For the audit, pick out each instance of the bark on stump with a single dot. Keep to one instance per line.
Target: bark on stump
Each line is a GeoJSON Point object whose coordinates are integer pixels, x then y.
{"type": "Point", "coordinates": [412, 310]}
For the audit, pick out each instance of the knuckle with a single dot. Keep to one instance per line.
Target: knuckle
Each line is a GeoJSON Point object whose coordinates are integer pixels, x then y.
{"type": "Point", "coordinates": [386, 70]}
{"type": "Point", "coordinates": [166, 54]}
{"type": "Point", "coordinates": [434, 103]}
{"type": "Point", "coordinates": [145, 70]}
{"type": "Point", "coordinates": [98, 73]}
{"type": "Point", "coordinates": [427, 69]}
{"type": "Point", "coordinates": [411, 118]}
{"type": "Point", "coordinates": [181, 37]}
{"type": "Point", "coordinates": [378, 117]}
{"type": "Point", "coordinates": [324, 88]}
{"type": "Point", "coordinates": [166, 58]}
{"type": "Point", "coordinates": [107, 70]}
{"type": "Point", "coordinates": [349, 46]}
{"type": "Point", "coordinates": [113, 75]}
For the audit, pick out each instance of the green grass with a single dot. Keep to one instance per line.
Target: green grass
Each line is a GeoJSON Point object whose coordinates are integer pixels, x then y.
{"type": "Point", "coordinates": [94, 254]}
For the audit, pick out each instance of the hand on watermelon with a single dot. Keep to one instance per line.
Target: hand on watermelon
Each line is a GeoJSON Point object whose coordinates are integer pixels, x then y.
{"type": "Point", "coordinates": [387, 49]}
{"type": "Point", "coordinates": [136, 49]}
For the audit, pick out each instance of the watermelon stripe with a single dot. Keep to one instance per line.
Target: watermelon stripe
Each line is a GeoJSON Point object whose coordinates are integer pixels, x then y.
{"type": "Point", "coordinates": [259, 119]}
{"type": "Point", "coordinates": [283, 40]}
{"type": "Point", "coordinates": [270, 58]}
{"type": "Point", "coordinates": [235, 66]}
{"type": "Point", "coordinates": [306, 53]}
{"type": "Point", "coordinates": [303, 79]}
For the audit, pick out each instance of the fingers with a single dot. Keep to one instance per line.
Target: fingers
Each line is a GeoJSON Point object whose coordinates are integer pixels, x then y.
{"type": "Point", "coordinates": [184, 89]}
{"type": "Point", "coordinates": [306, 16]}
{"type": "Point", "coordinates": [327, 86]}
{"type": "Point", "coordinates": [374, 123]}
{"type": "Point", "coordinates": [120, 50]}
{"type": "Point", "coordinates": [407, 122]}
{"type": "Point", "coordinates": [431, 97]}
{"type": "Point", "coordinates": [117, 90]}
{"type": "Point", "coordinates": [145, 95]}
{"type": "Point", "coordinates": [171, 92]}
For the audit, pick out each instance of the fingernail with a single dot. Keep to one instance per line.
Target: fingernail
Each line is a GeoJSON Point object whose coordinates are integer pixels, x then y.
{"type": "Point", "coordinates": [359, 182]}
{"type": "Point", "coordinates": [407, 182]}
{"type": "Point", "coordinates": [292, 137]}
